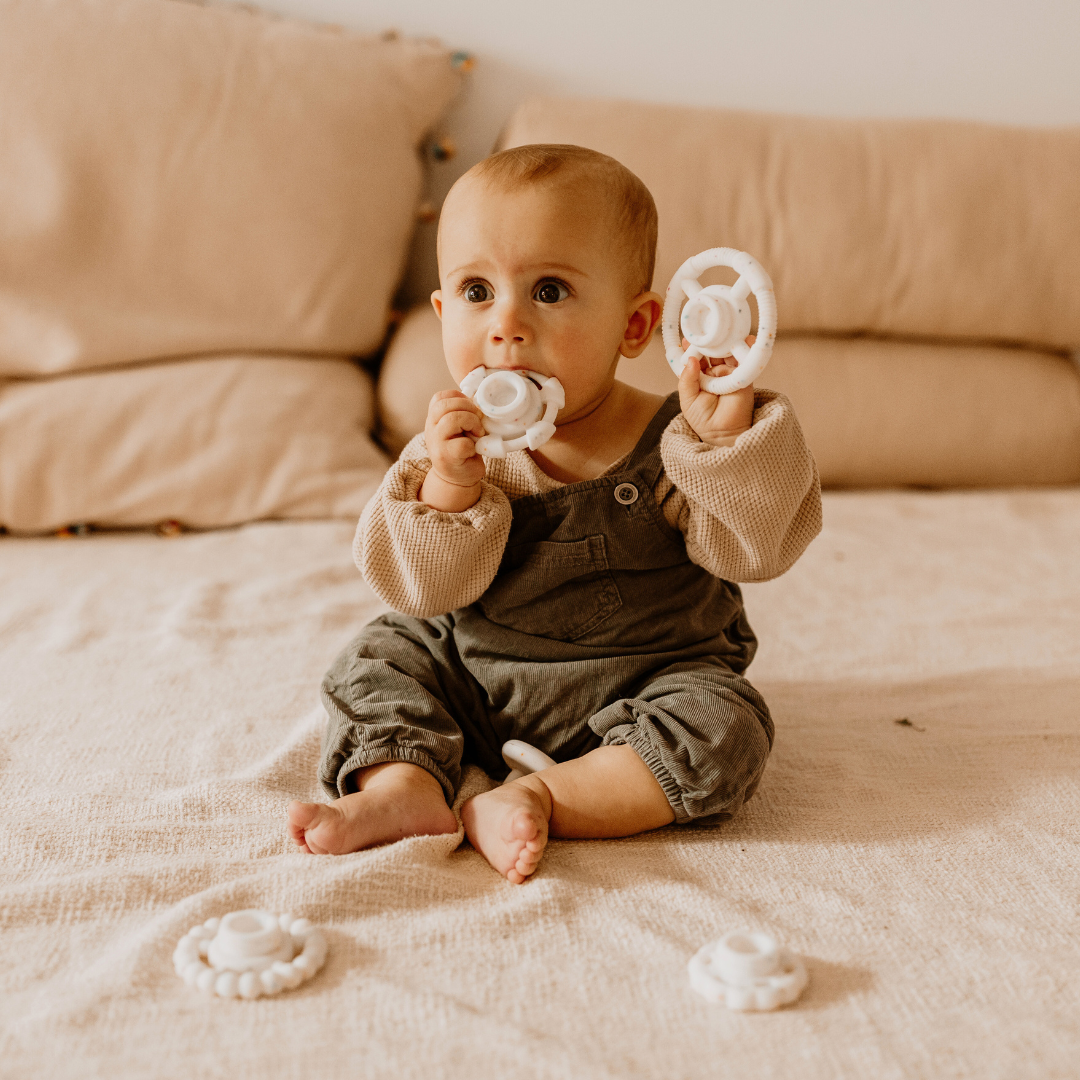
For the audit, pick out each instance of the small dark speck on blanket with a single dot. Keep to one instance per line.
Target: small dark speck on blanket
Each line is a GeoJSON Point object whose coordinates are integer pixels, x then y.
{"type": "Point", "coordinates": [905, 722]}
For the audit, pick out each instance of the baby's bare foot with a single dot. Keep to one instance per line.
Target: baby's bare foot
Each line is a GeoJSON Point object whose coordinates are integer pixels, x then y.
{"type": "Point", "coordinates": [396, 800]}
{"type": "Point", "coordinates": [509, 826]}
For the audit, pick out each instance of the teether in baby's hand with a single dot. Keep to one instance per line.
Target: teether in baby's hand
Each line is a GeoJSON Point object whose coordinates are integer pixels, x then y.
{"type": "Point", "coordinates": [496, 412]}
{"type": "Point", "coordinates": [519, 408]}
{"type": "Point", "coordinates": [716, 323]}
{"type": "Point", "coordinates": [716, 318]}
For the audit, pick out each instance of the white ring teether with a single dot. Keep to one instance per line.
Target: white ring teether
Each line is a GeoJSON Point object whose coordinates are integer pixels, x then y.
{"type": "Point", "coordinates": [519, 408]}
{"type": "Point", "coordinates": [524, 759]}
{"type": "Point", "coordinates": [249, 954]}
{"type": "Point", "coordinates": [716, 319]}
{"type": "Point", "coordinates": [748, 971]}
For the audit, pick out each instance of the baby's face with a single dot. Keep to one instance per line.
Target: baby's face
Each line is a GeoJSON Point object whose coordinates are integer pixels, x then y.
{"type": "Point", "coordinates": [534, 279]}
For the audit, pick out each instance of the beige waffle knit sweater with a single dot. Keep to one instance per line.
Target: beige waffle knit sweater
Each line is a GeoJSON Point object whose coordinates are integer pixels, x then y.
{"type": "Point", "coordinates": [747, 512]}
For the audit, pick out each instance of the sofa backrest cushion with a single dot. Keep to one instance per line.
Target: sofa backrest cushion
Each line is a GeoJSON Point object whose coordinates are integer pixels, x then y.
{"type": "Point", "coordinates": [178, 179]}
{"type": "Point", "coordinates": [875, 413]}
{"type": "Point", "coordinates": [908, 228]}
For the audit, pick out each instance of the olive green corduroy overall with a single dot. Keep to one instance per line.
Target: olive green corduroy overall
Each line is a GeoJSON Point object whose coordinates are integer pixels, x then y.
{"type": "Point", "coordinates": [597, 629]}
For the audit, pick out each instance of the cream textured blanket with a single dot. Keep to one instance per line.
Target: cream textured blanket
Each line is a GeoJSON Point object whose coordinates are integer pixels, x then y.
{"type": "Point", "coordinates": [159, 709]}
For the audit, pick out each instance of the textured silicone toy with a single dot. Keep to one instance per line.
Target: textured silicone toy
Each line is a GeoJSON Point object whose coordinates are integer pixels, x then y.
{"type": "Point", "coordinates": [249, 953]}
{"type": "Point", "coordinates": [716, 319]}
{"type": "Point", "coordinates": [524, 759]}
{"type": "Point", "coordinates": [748, 971]}
{"type": "Point", "coordinates": [519, 408]}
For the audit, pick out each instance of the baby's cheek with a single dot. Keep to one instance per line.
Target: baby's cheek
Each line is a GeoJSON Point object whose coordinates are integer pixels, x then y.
{"type": "Point", "coordinates": [463, 353]}
{"type": "Point", "coordinates": [585, 353]}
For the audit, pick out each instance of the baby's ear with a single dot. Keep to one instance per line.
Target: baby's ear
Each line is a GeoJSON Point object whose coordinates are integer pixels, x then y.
{"type": "Point", "coordinates": [645, 312]}
{"type": "Point", "coordinates": [436, 302]}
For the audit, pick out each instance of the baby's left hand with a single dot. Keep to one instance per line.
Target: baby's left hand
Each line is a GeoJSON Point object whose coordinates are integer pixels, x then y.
{"type": "Point", "coordinates": [715, 419]}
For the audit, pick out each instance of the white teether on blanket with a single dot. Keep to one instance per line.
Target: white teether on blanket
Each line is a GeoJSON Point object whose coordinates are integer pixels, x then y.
{"type": "Point", "coordinates": [519, 408]}
{"type": "Point", "coordinates": [748, 971]}
{"type": "Point", "coordinates": [716, 318]}
{"type": "Point", "coordinates": [250, 953]}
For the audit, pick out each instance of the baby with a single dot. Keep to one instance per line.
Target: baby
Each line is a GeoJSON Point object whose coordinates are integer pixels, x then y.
{"type": "Point", "coordinates": [578, 597]}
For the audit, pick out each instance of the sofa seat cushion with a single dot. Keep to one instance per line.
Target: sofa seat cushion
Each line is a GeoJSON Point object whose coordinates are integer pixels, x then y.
{"type": "Point", "coordinates": [207, 442]}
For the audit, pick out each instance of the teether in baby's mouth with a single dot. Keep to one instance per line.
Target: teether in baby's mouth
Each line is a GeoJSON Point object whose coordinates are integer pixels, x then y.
{"type": "Point", "coordinates": [519, 408]}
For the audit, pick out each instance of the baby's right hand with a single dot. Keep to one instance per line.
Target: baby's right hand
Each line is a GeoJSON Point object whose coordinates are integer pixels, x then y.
{"type": "Point", "coordinates": [454, 423]}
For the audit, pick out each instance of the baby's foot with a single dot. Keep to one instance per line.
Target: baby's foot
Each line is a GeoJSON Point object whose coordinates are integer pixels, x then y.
{"type": "Point", "coordinates": [509, 827]}
{"type": "Point", "coordinates": [397, 803]}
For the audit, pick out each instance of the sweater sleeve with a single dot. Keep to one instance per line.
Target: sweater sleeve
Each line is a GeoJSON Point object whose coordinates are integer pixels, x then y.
{"type": "Point", "coordinates": [425, 562]}
{"type": "Point", "coordinates": [749, 510]}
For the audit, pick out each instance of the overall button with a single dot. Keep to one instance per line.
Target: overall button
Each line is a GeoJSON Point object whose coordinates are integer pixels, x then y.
{"type": "Point", "coordinates": [626, 494]}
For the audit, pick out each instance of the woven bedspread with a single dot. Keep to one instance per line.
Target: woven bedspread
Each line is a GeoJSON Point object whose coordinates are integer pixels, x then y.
{"type": "Point", "coordinates": [915, 837]}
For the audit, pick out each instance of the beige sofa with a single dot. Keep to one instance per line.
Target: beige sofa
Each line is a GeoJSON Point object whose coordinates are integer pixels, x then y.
{"type": "Point", "coordinates": [927, 274]}
{"type": "Point", "coordinates": [915, 835]}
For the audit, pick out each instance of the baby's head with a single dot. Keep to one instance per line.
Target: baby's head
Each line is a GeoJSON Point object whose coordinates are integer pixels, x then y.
{"type": "Point", "coordinates": [545, 264]}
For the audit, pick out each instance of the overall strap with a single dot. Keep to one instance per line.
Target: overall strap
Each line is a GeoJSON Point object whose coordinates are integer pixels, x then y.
{"type": "Point", "coordinates": [647, 450]}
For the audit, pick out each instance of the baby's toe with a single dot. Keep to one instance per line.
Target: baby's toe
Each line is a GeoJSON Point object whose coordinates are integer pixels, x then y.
{"type": "Point", "coordinates": [522, 828]}
{"type": "Point", "coordinates": [302, 816]}
{"type": "Point", "coordinates": [522, 870]}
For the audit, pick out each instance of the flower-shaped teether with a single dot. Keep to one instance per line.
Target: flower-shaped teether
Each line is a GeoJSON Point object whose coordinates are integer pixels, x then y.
{"type": "Point", "coordinates": [249, 953]}
{"type": "Point", "coordinates": [716, 318]}
{"type": "Point", "coordinates": [519, 408]}
{"type": "Point", "coordinates": [748, 971]}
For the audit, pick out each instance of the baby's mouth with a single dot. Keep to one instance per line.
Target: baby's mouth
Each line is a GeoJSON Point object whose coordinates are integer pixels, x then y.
{"type": "Point", "coordinates": [513, 367]}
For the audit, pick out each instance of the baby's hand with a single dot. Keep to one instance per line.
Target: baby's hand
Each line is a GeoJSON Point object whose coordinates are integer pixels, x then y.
{"type": "Point", "coordinates": [715, 419]}
{"type": "Point", "coordinates": [454, 423]}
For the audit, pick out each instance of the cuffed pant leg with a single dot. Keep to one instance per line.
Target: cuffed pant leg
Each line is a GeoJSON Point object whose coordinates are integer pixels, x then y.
{"type": "Point", "coordinates": [704, 731]}
{"type": "Point", "coordinates": [392, 695]}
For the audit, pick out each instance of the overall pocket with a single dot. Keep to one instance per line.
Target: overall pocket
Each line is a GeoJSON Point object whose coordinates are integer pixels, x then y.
{"type": "Point", "coordinates": [554, 590]}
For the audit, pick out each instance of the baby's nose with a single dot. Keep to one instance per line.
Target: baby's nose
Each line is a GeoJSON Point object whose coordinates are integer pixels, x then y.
{"type": "Point", "coordinates": [509, 335]}
{"type": "Point", "coordinates": [508, 327]}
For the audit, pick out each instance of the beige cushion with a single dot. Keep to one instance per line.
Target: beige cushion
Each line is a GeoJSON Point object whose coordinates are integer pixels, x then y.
{"type": "Point", "coordinates": [887, 413]}
{"type": "Point", "coordinates": [879, 413]}
{"type": "Point", "coordinates": [412, 370]}
{"type": "Point", "coordinates": [208, 442]}
{"type": "Point", "coordinates": [913, 228]}
{"type": "Point", "coordinates": [875, 413]}
{"type": "Point", "coordinates": [178, 179]}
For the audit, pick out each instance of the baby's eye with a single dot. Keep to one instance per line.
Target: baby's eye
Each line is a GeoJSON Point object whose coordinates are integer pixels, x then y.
{"type": "Point", "coordinates": [550, 292]}
{"type": "Point", "coordinates": [477, 292]}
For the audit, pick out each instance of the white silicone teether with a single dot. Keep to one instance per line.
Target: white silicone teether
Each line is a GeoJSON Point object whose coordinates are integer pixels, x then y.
{"type": "Point", "coordinates": [716, 319]}
{"type": "Point", "coordinates": [519, 408]}
{"type": "Point", "coordinates": [249, 953]}
{"type": "Point", "coordinates": [524, 759]}
{"type": "Point", "coordinates": [748, 971]}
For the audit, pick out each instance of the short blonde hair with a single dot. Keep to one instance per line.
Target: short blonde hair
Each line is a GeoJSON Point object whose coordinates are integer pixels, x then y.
{"type": "Point", "coordinates": [633, 209]}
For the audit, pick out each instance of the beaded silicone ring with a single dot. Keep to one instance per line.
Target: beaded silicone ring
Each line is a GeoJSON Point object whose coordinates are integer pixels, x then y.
{"type": "Point", "coordinates": [250, 954]}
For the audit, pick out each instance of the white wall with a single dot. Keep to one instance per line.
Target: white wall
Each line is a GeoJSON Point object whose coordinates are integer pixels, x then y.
{"type": "Point", "coordinates": [998, 60]}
